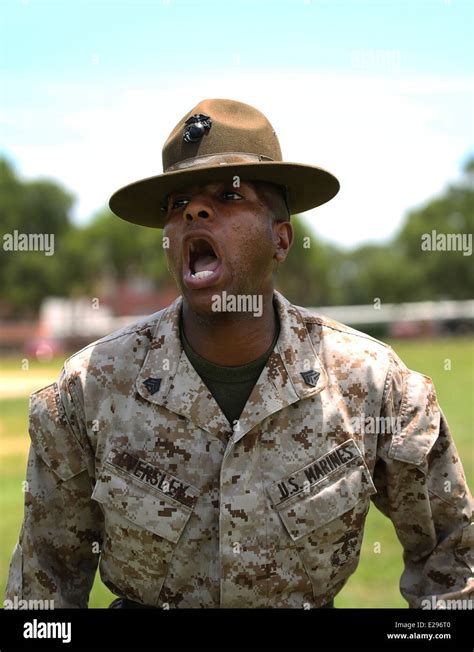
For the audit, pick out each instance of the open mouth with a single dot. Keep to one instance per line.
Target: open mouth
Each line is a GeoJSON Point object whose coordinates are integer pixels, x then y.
{"type": "Point", "coordinates": [203, 260]}
{"type": "Point", "coordinates": [203, 266]}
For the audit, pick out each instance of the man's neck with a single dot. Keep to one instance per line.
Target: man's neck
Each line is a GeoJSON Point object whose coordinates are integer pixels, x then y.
{"type": "Point", "coordinates": [230, 339]}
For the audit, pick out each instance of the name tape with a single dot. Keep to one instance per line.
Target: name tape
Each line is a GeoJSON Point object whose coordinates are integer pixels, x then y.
{"type": "Point", "coordinates": [155, 477]}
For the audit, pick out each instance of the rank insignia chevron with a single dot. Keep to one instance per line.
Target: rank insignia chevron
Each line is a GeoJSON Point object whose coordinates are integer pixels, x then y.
{"type": "Point", "coordinates": [310, 377]}
{"type": "Point", "coordinates": [152, 384]}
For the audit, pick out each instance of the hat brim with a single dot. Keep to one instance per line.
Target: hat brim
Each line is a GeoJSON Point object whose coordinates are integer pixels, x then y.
{"type": "Point", "coordinates": [141, 202]}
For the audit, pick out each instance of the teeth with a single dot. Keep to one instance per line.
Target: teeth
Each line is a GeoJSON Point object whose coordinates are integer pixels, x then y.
{"type": "Point", "coordinates": [203, 274]}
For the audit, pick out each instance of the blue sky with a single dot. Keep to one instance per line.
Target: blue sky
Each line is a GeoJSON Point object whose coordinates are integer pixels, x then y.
{"type": "Point", "coordinates": [379, 92]}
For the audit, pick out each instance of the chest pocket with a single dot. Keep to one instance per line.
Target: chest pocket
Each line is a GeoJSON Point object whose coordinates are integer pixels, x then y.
{"type": "Point", "coordinates": [324, 514]}
{"type": "Point", "coordinates": [146, 510]}
{"type": "Point", "coordinates": [320, 493]}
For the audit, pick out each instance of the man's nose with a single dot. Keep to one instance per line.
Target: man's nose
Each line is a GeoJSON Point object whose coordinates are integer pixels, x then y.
{"type": "Point", "coordinates": [198, 209]}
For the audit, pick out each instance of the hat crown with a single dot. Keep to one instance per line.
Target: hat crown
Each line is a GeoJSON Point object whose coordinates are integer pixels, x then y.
{"type": "Point", "coordinates": [233, 127]}
{"type": "Point", "coordinates": [215, 142]}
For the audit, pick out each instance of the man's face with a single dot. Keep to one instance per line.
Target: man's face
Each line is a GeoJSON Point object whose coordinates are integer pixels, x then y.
{"type": "Point", "coordinates": [223, 238]}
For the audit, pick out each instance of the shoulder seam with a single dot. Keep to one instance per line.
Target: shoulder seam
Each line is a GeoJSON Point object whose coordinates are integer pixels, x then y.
{"type": "Point", "coordinates": [323, 323]}
{"type": "Point", "coordinates": [387, 384]}
{"type": "Point", "coordinates": [111, 337]}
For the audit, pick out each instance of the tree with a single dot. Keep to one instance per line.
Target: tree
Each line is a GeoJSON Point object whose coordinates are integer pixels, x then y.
{"type": "Point", "coordinates": [109, 246]}
{"type": "Point", "coordinates": [315, 273]}
{"type": "Point", "coordinates": [446, 274]}
{"type": "Point", "coordinates": [40, 208]}
{"type": "Point", "coordinates": [305, 276]}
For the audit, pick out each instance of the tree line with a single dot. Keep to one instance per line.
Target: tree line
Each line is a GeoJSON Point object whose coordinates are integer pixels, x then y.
{"type": "Point", "coordinates": [427, 259]}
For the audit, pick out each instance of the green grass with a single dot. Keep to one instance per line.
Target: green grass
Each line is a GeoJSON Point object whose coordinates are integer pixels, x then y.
{"type": "Point", "coordinates": [15, 363]}
{"type": "Point", "coordinates": [14, 415]}
{"type": "Point", "coordinates": [375, 583]}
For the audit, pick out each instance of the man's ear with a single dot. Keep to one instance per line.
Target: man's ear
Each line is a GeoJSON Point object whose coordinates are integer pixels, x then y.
{"type": "Point", "coordinates": [283, 238]}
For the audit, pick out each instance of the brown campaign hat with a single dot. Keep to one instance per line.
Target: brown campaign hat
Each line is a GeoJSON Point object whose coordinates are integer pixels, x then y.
{"type": "Point", "coordinates": [216, 141]}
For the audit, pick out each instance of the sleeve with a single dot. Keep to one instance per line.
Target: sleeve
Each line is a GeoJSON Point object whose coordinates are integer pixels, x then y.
{"type": "Point", "coordinates": [57, 553]}
{"type": "Point", "coordinates": [422, 488]}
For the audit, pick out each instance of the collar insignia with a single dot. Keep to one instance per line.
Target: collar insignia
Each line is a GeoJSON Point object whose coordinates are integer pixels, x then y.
{"type": "Point", "coordinates": [310, 377]}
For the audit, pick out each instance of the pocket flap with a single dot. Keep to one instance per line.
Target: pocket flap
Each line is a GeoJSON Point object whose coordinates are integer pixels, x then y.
{"type": "Point", "coordinates": [345, 481]}
{"type": "Point", "coordinates": [143, 506]}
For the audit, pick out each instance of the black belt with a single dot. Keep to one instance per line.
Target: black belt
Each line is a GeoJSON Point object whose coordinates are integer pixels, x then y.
{"type": "Point", "coordinates": [125, 603]}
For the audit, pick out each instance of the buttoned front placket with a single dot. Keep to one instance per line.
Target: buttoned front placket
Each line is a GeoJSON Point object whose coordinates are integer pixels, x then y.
{"type": "Point", "coordinates": [293, 372]}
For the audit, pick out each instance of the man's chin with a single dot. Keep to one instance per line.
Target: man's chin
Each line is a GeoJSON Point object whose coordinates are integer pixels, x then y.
{"type": "Point", "coordinates": [224, 305]}
{"type": "Point", "coordinates": [209, 302]}
{"type": "Point", "coordinates": [201, 290]}
{"type": "Point", "coordinates": [200, 301]}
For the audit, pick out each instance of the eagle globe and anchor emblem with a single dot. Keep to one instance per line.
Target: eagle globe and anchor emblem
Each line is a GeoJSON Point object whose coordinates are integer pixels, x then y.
{"type": "Point", "coordinates": [196, 126]}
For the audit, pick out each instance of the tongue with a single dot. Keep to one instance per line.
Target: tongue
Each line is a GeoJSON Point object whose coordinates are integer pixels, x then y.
{"type": "Point", "coordinates": [203, 263]}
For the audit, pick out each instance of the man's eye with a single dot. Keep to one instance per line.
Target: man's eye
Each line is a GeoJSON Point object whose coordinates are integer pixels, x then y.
{"type": "Point", "coordinates": [178, 203]}
{"type": "Point", "coordinates": [231, 195]}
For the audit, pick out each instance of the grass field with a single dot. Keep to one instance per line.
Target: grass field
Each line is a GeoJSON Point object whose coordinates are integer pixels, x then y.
{"type": "Point", "coordinates": [375, 583]}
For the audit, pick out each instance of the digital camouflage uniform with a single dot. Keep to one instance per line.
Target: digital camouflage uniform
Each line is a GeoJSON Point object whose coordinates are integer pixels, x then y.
{"type": "Point", "coordinates": [130, 452]}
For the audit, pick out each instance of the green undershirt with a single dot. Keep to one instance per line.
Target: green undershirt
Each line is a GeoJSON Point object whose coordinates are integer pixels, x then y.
{"type": "Point", "coordinates": [230, 386]}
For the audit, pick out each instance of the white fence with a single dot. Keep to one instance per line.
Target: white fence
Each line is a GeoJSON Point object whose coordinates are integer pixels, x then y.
{"type": "Point", "coordinates": [68, 318]}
